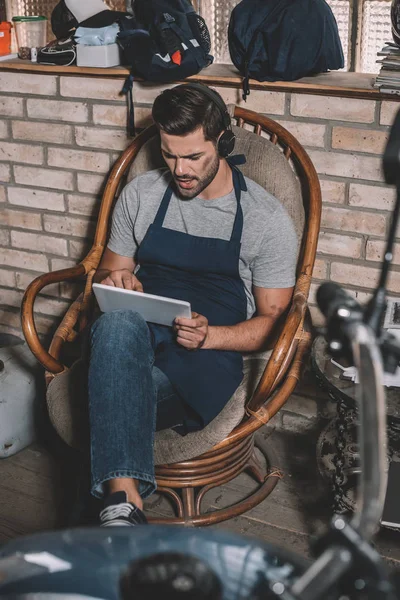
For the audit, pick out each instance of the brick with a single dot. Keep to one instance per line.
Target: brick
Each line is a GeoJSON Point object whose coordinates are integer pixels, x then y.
{"type": "Point", "coordinates": [2, 194]}
{"type": "Point", "coordinates": [354, 221]}
{"type": "Point", "coordinates": [52, 133]}
{"type": "Point", "coordinates": [68, 226]}
{"type": "Point", "coordinates": [145, 92]}
{"type": "Point", "coordinates": [93, 87]}
{"type": "Point", "coordinates": [4, 237]}
{"type": "Point", "coordinates": [317, 317]}
{"type": "Point", "coordinates": [47, 178]}
{"type": "Point", "coordinates": [23, 260]}
{"type": "Point", "coordinates": [21, 153]}
{"type": "Point", "coordinates": [7, 278]}
{"type": "Point", "coordinates": [308, 134]}
{"type": "Point", "coordinates": [388, 112]}
{"type": "Point", "coordinates": [368, 196]}
{"type": "Point", "coordinates": [116, 115]}
{"type": "Point", "coordinates": [3, 129]}
{"type": "Point", "coordinates": [79, 249]}
{"type": "Point", "coordinates": [332, 191]}
{"type": "Point", "coordinates": [320, 270]}
{"type": "Point", "coordinates": [110, 114]}
{"type": "Point", "coordinates": [83, 205]}
{"type": "Point", "coordinates": [397, 234]}
{"type": "Point", "coordinates": [11, 107]}
{"type": "Point", "coordinates": [19, 218]}
{"type": "Point", "coordinates": [91, 184]}
{"type": "Point", "coordinates": [99, 137]}
{"type": "Point", "coordinates": [70, 290]}
{"type": "Point", "coordinates": [51, 307]}
{"type": "Point", "coordinates": [312, 297]}
{"type": "Point", "coordinates": [36, 198]}
{"type": "Point", "coordinates": [259, 100]}
{"type": "Point", "coordinates": [24, 279]}
{"type": "Point", "coordinates": [376, 248]}
{"type": "Point", "coordinates": [57, 110]}
{"type": "Point", "coordinates": [61, 263]}
{"type": "Point", "coordinates": [12, 330]}
{"type": "Point", "coordinates": [28, 83]}
{"type": "Point", "coordinates": [359, 295]}
{"type": "Point", "coordinates": [10, 319]}
{"type": "Point", "coordinates": [362, 276]}
{"type": "Point", "coordinates": [341, 245]}
{"type": "Point", "coordinates": [82, 160]}
{"type": "Point", "coordinates": [10, 297]}
{"type": "Point", "coordinates": [5, 173]}
{"type": "Point", "coordinates": [44, 325]}
{"type": "Point", "coordinates": [143, 117]}
{"type": "Point", "coordinates": [44, 243]}
{"type": "Point", "coordinates": [325, 107]}
{"type": "Point", "coordinates": [347, 165]}
{"type": "Point", "coordinates": [360, 140]}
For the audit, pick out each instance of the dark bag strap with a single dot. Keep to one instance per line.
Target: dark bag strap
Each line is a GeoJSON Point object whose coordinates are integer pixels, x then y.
{"type": "Point", "coordinates": [128, 89]}
{"type": "Point", "coordinates": [250, 49]}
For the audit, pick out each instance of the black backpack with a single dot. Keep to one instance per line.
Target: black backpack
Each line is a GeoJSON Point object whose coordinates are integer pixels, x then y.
{"type": "Point", "coordinates": [164, 41]}
{"type": "Point", "coordinates": [283, 40]}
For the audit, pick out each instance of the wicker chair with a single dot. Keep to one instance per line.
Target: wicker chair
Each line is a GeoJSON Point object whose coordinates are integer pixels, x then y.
{"type": "Point", "coordinates": [187, 467]}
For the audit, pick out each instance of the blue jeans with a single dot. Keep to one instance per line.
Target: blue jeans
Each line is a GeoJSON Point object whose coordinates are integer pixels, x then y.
{"type": "Point", "coordinates": [125, 394]}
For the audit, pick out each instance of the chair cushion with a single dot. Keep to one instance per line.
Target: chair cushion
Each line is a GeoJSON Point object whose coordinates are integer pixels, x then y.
{"type": "Point", "coordinates": [170, 447]}
{"type": "Point", "coordinates": [67, 406]}
{"type": "Point", "coordinates": [266, 165]}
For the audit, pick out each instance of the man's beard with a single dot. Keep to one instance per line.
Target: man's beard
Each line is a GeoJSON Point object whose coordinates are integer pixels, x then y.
{"type": "Point", "coordinates": [197, 184]}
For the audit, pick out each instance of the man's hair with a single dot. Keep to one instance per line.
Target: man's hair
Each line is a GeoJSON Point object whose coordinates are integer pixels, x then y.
{"type": "Point", "coordinates": [181, 110]}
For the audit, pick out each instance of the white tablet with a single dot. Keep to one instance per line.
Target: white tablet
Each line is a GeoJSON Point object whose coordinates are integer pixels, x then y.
{"type": "Point", "coordinates": [155, 309]}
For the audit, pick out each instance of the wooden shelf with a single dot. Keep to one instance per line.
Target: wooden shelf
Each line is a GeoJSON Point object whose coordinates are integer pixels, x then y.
{"type": "Point", "coordinates": [337, 83]}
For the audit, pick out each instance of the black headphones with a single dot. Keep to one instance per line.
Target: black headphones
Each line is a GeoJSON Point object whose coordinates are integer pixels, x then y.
{"type": "Point", "coordinates": [226, 142]}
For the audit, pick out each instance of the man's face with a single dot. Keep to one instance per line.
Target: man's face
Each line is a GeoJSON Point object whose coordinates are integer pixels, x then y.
{"type": "Point", "coordinates": [193, 161]}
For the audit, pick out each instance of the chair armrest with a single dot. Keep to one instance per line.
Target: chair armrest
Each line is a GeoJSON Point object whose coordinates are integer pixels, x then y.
{"type": "Point", "coordinates": [265, 413]}
{"type": "Point", "coordinates": [28, 319]}
{"type": "Point", "coordinates": [283, 349]}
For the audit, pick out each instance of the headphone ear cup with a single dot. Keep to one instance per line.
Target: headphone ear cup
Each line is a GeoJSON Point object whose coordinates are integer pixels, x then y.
{"type": "Point", "coordinates": [226, 143]}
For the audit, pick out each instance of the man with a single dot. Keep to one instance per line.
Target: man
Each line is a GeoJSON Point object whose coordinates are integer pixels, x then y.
{"type": "Point", "coordinates": [197, 231]}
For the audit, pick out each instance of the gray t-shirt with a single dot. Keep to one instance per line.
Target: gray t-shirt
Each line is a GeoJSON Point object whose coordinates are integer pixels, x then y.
{"type": "Point", "coordinates": [269, 243]}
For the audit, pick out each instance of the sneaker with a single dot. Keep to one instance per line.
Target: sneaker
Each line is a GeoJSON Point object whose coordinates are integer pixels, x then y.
{"type": "Point", "coordinates": [118, 511]}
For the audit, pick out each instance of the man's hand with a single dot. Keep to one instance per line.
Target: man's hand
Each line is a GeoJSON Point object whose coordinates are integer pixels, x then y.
{"type": "Point", "coordinates": [192, 333]}
{"type": "Point", "coordinates": [123, 278]}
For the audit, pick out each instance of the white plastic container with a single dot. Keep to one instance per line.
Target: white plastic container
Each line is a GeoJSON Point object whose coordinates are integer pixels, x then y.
{"type": "Point", "coordinates": [97, 56]}
{"type": "Point", "coordinates": [31, 32]}
{"type": "Point", "coordinates": [20, 374]}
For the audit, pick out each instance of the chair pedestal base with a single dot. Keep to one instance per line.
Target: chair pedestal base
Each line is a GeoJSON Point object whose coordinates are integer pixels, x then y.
{"type": "Point", "coordinates": [187, 483]}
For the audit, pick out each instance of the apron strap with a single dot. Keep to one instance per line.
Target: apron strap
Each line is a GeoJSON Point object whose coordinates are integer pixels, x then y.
{"type": "Point", "coordinates": [162, 211]}
{"type": "Point", "coordinates": [239, 185]}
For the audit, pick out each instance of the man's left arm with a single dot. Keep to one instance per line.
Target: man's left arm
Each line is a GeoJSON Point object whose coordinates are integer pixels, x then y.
{"type": "Point", "coordinates": [248, 336]}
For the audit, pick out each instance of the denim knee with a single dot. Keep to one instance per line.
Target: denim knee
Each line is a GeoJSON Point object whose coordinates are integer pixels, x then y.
{"type": "Point", "coordinates": [120, 324]}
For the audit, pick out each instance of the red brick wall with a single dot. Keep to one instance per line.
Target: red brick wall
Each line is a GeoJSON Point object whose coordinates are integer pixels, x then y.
{"type": "Point", "coordinates": [59, 137]}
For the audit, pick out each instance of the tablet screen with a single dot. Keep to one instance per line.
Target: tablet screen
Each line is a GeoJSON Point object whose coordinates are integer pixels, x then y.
{"type": "Point", "coordinates": [155, 309]}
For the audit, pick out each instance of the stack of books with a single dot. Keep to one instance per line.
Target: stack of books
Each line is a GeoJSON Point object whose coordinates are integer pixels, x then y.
{"type": "Point", "coordinates": [388, 80]}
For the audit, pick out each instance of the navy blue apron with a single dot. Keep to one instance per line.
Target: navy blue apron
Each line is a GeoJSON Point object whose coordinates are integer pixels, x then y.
{"type": "Point", "coordinates": [205, 272]}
